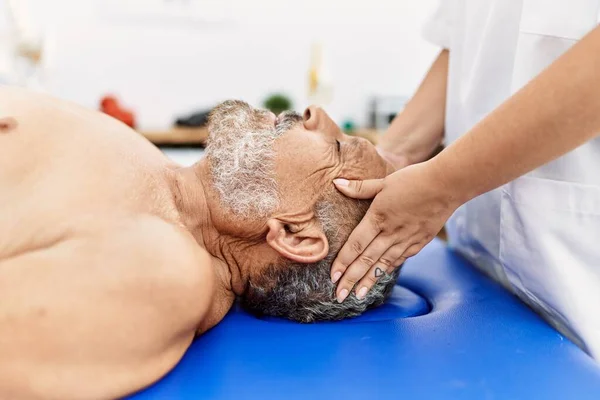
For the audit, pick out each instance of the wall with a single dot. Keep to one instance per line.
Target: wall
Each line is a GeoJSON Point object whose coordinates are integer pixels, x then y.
{"type": "Point", "coordinates": [169, 66]}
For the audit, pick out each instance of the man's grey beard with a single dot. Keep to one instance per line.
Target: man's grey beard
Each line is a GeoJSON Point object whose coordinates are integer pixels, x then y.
{"type": "Point", "coordinates": [241, 155]}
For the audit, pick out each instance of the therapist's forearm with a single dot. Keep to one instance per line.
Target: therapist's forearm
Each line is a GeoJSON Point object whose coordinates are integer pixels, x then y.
{"type": "Point", "coordinates": [556, 112]}
{"type": "Point", "coordinates": [418, 130]}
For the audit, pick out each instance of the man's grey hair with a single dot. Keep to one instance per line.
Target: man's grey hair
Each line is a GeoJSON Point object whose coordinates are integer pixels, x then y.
{"type": "Point", "coordinates": [305, 292]}
{"type": "Point", "coordinates": [241, 156]}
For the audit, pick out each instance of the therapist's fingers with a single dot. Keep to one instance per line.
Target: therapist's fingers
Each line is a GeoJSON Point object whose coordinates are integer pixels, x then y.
{"type": "Point", "coordinates": [386, 264]}
{"type": "Point", "coordinates": [408, 211]}
{"type": "Point", "coordinates": [399, 253]}
{"type": "Point", "coordinates": [366, 189]}
{"type": "Point", "coordinates": [357, 242]}
{"type": "Point", "coordinates": [361, 265]}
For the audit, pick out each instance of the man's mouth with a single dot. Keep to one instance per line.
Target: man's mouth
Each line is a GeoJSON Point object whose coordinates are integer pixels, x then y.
{"type": "Point", "coordinates": [288, 118]}
{"type": "Point", "coordinates": [281, 118]}
{"type": "Point", "coordinates": [269, 117]}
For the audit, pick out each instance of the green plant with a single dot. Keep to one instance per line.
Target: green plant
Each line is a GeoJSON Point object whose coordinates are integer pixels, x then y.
{"type": "Point", "coordinates": [277, 103]}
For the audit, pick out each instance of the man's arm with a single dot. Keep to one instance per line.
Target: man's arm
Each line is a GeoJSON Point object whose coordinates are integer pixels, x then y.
{"type": "Point", "coordinates": [419, 128]}
{"type": "Point", "coordinates": [555, 113]}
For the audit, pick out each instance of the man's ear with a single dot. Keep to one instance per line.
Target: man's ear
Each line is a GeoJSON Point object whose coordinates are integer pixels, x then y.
{"type": "Point", "coordinates": [304, 243]}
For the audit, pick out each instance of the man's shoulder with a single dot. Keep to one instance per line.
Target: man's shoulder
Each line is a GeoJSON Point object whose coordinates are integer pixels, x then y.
{"type": "Point", "coordinates": [163, 262]}
{"type": "Point", "coordinates": [133, 289]}
{"type": "Point", "coordinates": [158, 237]}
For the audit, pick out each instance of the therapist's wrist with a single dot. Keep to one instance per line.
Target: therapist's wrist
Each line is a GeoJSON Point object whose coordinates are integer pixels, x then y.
{"type": "Point", "coordinates": [447, 185]}
{"type": "Point", "coordinates": [410, 146]}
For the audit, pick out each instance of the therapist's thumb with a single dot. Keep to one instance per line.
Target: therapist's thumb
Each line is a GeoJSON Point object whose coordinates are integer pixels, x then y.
{"type": "Point", "coordinates": [359, 189]}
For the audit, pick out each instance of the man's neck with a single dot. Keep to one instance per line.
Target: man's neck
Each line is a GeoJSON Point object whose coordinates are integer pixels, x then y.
{"type": "Point", "coordinates": [197, 207]}
{"type": "Point", "coordinates": [191, 202]}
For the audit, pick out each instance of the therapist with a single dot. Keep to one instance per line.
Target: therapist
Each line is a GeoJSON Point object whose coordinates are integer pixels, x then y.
{"type": "Point", "coordinates": [516, 91]}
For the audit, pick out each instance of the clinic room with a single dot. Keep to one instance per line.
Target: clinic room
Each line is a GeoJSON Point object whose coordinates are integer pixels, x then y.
{"type": "Point", "coordinates": [299, 199]}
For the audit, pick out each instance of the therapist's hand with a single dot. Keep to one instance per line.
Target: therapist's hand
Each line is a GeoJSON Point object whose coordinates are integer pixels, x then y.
{"type": "Point", "coordinates": [409, 209]}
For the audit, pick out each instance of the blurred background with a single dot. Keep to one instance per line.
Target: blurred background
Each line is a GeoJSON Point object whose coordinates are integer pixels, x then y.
{"type": "Point", "coordinates": [168, 59]}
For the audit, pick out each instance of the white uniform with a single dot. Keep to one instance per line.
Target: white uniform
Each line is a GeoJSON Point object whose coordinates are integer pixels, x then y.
{"type": "Point", "coordinates": [540, 234]}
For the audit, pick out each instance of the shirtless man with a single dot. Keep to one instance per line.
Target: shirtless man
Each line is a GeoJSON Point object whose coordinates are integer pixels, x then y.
{"type": "Point", "coordinates": [113, 258]}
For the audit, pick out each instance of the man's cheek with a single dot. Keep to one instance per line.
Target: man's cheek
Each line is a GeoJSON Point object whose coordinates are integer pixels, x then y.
{"type": "Point", "coordinates": [380, 167]}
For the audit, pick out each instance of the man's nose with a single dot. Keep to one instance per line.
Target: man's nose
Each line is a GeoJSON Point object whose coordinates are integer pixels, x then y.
{"type": "Point", "coordinates": [316, 119]}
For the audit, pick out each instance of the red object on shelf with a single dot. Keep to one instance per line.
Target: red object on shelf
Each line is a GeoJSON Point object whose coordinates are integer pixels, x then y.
{"type": "Point", "coordinates": [110, 105]}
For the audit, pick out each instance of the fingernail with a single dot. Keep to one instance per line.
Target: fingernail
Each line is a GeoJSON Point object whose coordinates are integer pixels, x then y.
{"type": "Point", "coordinates": [336, 277]}
{"type": "Point", "coordinates": [362, 293]}
{"type": "Point", "coordinates": [341, 182]}
{"type": "Point", "coordinates": [342, 296]}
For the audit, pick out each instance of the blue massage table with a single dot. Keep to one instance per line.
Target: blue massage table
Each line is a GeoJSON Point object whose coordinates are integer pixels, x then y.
{"type": "Point", "coordinates": [447, 333]}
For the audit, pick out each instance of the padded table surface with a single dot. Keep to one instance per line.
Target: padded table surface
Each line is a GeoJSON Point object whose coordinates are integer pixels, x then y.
{"type": "Point", "coordinates": [448, 333]}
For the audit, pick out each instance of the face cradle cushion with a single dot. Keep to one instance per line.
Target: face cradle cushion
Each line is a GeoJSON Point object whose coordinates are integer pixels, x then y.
{"type": "Point", "coordinates": [447, 333]}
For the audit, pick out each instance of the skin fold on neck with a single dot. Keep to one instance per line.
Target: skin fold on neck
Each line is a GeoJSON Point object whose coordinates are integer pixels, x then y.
{"type": "Point", "coordinates": [201, 214]}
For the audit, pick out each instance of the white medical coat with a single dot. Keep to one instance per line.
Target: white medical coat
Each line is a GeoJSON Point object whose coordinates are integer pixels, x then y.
{"type": "Point", "coordinates": [540, 234]}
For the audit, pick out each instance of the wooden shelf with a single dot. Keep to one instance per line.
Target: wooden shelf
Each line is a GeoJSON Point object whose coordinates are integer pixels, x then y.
{"type": "Point", "coordinates": [198, 136]}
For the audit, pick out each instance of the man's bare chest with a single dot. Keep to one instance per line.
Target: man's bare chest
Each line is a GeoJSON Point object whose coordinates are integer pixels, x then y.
{"type": "Point", "coordinates": [76, 187]}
